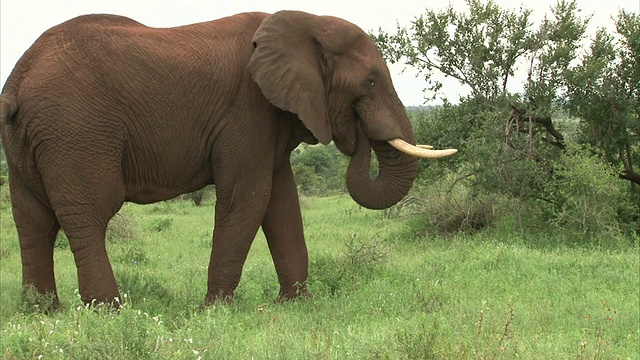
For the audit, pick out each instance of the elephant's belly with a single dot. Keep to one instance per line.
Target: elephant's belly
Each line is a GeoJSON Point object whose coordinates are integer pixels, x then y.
{"type": "Point", "coordinates": [153, 180]}
{"type": "Point", "coordinates": [146, 194]}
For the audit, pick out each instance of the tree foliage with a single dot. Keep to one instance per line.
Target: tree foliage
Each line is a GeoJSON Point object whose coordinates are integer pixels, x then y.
{"type": "Point", "coordinates": [604, 92]}
{"type": "Point", "coordinates": [480, 50]}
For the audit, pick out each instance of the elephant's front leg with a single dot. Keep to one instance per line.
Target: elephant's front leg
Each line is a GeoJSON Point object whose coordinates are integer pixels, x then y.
{"type": "Point", "coordinates": [240, 208]}
{"type": "Point", "coordinates": [282, 226]}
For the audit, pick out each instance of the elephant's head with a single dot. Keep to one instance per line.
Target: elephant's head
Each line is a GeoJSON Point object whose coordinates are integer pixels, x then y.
{"type": "Point", "coordinates": [329, 72]}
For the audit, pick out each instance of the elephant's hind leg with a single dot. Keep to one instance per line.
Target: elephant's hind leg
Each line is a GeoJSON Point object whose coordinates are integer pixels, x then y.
{"type": "Point", "coordinates": [85, 226]}
{"type": "Point", "coordinates": [84, 203]}
{"type": "Point", "coordinates": [37, 229]}
{"type": "Point", "coordinates": [96, 280]}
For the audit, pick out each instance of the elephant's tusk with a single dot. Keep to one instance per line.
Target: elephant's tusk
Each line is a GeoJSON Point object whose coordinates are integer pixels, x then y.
{"type": "Point", "coordinates": [420, 150]}
{"type": "Point", "coordinates": [425, 146]}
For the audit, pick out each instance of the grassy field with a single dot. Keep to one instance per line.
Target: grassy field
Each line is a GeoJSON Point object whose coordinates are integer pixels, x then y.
{"type": "Point", "coordinates": [380, 292]}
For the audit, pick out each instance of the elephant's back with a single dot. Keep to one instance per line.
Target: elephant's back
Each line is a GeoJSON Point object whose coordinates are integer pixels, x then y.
{"type": "Point", "coordinates": [62, 51]}
{"type": "Point", "coordinates": [77, 32]}
{"type": "Point", "coordinates": [98, 20]}
{"type": "Point", "coordinates": [113, 49]}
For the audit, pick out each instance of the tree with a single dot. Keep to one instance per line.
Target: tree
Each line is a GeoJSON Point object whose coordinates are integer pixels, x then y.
{"type": "Point", "coordinates": [486, 49]}
{"type": "Point", "coordinates": [524, 80]}
{"type": "Point", "coordinates": [604, 92]}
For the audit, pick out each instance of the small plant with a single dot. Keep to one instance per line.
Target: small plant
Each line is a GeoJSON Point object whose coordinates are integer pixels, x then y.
{"type": "Point", "coordinates": [5, 198]}
{"type": "Point", "coordinates": [587, 201]}
{"type": "Point", "coordinates": [5, 251]}
{"type": "Point", "coordinates": [160, 224]}
{"type": "Point", "coordinates": [356, 262]}
{"type": "Point", "coordinates": [150, 287]}
{"type": "Point", "coordinates": [326, 274]}
{"type": "Point", "coordinates": [598, 328]}
{"type": "Point", "coordinates": [452, 212]}
{"type": "Point", "coordinates": [366, 253]}
{"type": "Point", "coordinates": [407, 203]}
{"type": "Point", "coordinates": [419, 342]}
{"type": "Point", "coordinates": [503, 339]}
{"type": "Point", "coordinates": [33, 301]}
{"type": "Point", "coordinates": [132, 254]}
{"type": "Point", "coordinates": [198, 197]}
{"type": "Point", "coordinates": [163, 207]}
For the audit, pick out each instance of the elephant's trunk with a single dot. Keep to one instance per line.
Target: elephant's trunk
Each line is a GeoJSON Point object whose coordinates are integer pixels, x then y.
{"type": "Point", "coordinates": [395, 176]}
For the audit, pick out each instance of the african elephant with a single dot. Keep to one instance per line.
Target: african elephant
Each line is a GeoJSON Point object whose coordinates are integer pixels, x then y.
{"type": "Point", "coordinates": [102, 110]}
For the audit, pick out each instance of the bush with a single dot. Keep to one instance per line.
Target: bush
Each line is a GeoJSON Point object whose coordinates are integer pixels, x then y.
{"type": "Point", "coordinates": [501, 171]}
{"type": "Point", "coordinates": [360, 260]}
{"type": "Point", "coordinates": [588, 202]}
{"type": "Point", "coordinates": [307, 180]}
{"type": "Point", "coordinates": [451, 212]}
{"type": "Point", "coordinates": [319, 169]}
{"type": "Point", "coordinates": [5, 197]}
{"type": "Point", "coordinates": [122, 227]}
{"type": "Point", "coordinates": [362, 254]}
{"type": "Point", "coordinates": [160, 224]}
{"type": "Point", "coordinates": [199, 197]}
{"type": "Point", "coordinates": [62, 242]}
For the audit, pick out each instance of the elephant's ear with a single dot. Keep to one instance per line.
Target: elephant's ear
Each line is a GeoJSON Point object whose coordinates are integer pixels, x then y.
{"type": "Point", "coordinates": [289, 66]}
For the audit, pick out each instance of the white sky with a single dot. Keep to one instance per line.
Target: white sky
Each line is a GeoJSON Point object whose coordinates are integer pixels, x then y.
{"type": "Point", "coordinates": [22, 21]}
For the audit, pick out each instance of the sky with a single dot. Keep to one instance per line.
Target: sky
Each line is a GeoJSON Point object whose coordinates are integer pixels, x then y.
{"type": "Point", "coordinates": [22, 21]}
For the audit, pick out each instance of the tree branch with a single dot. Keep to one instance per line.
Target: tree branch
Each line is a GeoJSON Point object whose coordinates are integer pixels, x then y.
{"type": "Point", "coordinates": [520, 115]}
{"type": "Point", "coordinates": [630, 175]}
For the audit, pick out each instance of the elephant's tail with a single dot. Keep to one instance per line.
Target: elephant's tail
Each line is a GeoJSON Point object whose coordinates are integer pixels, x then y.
{"type": "Point", "coordinates": [8, 109]}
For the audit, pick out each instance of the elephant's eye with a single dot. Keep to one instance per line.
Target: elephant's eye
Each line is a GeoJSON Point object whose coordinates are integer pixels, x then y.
{"type": "Point", "coordinates": [371, 82]}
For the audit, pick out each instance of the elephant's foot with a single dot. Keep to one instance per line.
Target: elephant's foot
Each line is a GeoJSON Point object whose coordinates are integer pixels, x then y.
{"type": "Point", "coordinates": [218, 297]}
{"type": "Point", "coordinates": [298, 291]}
{"type": "Point", "coordinates": [108, 299]}
{"type": "Point", "coordinates": [104, 293]}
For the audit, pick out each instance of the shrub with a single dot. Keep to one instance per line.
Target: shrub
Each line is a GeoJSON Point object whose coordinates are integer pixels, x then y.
{"type": "Point", "coordinates": [319, 169]}
{"type": "Point", "coordinates": [131, 253]}
{"type": "Point", "coordinates": [447, 212]}
{"type": "Point", "coordinates": [122, 227]}
{"type": "Point", "coordinates": [34, 302]}
{"type": "Point", "coordinates": [307, 180]}
{"type": "Point", "coordinates": [587, 201]}
{"type": "Point", "coordinates": [199, 197]}
{"type": "Point", "coordinates": [357, 262]}
{"type": "Point", "coordinates": [5, 197]}
{"type": "Point", "coordinates": [419, 341]}
{"type": "Point", "coordinates": [360, 253]}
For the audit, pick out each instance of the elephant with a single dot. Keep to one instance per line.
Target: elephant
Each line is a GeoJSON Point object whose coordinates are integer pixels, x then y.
{"type": "Point", "coordinates": [103, 110]}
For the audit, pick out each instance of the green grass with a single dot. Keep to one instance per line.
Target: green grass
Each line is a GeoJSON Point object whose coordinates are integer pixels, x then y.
{"type": "Point", "coordinates": [380, 292]}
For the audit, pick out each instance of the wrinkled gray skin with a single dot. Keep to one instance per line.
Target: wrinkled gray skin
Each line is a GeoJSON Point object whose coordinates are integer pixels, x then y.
{"type": "Point", "coordinates": [103, 110]}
